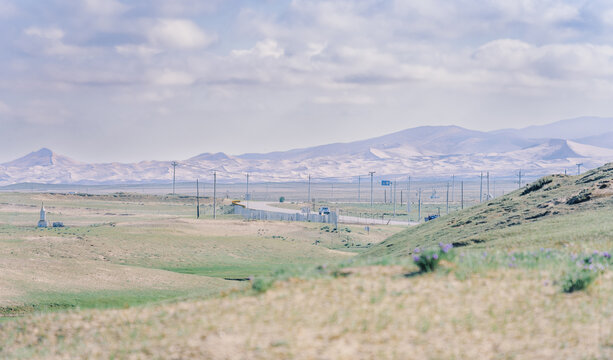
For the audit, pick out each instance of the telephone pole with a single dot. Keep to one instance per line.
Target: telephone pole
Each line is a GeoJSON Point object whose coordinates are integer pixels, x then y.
{"type": "Point", "coordinates": [215, 195]}
{"type": "Point", "coordinates": [247, 197]}
{"type": "Point", "coordinates": [462, 193]}
{"type": "Point", "coordinates": [419, 206]}
{"type": "Point", "coordinates": [394, 198]}
{"type": "Point", "coordinates": [452, 188]}
{"type": "Point", "coordinates": [409, 198]}
{"type": "Point", "coordinates": [309, 190]}
{"type": "Point", "coordinates": [359, 192]}
{"type": "Point", "coordinates": [481, 188]}
{"type": "Point", "coordinates": [579, 168]}
{"type": "Point", "coordinates": [174, 168]}
{"type": "Point", "coordinates": [447, 198]}
{"type": "Point", "coordinates": [371, 187]}
{"type": "Point", "coordinates": [519, 181]}
{"type": "Point", "coordinates": [487, 197]}
{"type": "Point", "coordinates": [197, 200]}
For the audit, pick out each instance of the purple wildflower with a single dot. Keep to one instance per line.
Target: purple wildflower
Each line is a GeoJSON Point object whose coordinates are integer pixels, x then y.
{"type": "Point", "coordinates": [416, 258]}
{"type": "Point", "coordinates": [445, 248]}
{"type": "Point", "coordinates": [606, 255]}
{"type": "Point", "coordinates": [435, 256]}
{"type": "Point", "coordinates": [417, 250]}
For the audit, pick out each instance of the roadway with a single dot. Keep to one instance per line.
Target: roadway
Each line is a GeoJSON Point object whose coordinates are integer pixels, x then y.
{"type": "Point", "coordinates": [268, 206]}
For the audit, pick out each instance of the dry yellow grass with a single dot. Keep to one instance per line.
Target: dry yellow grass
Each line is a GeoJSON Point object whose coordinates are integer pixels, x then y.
{"type": "Point", "coordinates": [374, 313]}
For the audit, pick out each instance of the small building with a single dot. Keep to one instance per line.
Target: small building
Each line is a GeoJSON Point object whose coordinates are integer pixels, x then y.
{"type": "Point", "coordinates": [43, 223]}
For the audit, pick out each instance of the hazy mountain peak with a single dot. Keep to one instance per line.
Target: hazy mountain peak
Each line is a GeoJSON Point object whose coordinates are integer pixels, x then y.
{"type": "Point", "coordinates": [427, 150]}
{"type": "Point", "coordinates": [42, 157]}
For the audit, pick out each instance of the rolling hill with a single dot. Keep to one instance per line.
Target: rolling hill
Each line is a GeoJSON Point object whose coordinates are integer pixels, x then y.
{"type": "Point", "coordinates": [434, 151]}
{"type": "Point", "coordinates": [555, 208]}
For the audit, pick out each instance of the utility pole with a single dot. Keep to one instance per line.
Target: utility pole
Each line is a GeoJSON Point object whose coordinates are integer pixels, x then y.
{"type": "Point", "coordinates": [481, 189]}
{"type": "Point", "coordinates": [579, 168]}
{"type": "Point", "coordinates": [215, 195]}
{"type": "Point", "coordinates": [487, 197]}
{"type": "Point", "coordinates": [419, 207]}
{"type": "Point", "coordinates": [332, 191]}
{"type": "Point", "coordinates": [452, 188]}
{"type": "Point", "coordinates": [309, 193]}
{"type": "Point", "coordinates": [447, 198]}
{"type": "Point", "coordinates": [409, 199]}
{"type": "Point", "coordinates": [394, 198]}
{"type": "Point", "coordinates": [359, 193]}
{"type": "Point", "coordinates": [462, 193]}
{"type": "Point", "coordinates": [197, 200]}
{"type": "Point", "coordinates": [371, 187]}
{"type": "Point", "coordinates": [174, 168]}
{"type": "Point", "coordinates": [519, 181]}
{"type": "Point", "coordinates": [247, 197]}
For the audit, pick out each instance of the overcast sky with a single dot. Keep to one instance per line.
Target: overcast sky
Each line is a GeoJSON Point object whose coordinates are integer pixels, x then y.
{"type": "Point", "coordinates": [111, 80]}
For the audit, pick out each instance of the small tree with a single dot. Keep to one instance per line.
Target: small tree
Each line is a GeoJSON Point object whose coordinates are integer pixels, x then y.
{"type": "Point", "coordinates": [282, 199]}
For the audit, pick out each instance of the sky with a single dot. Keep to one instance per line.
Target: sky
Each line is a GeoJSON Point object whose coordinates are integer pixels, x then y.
{"type": "Point", "coordinates": [130, 80]}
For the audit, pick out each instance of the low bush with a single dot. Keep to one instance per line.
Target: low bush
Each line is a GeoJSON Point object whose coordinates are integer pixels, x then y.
{"type": "Point", "coordinates": [577, 279]}
{"type": "Point", "coordinates": [428, 260]}
{"type": "Point", "coordinates": [537, 185]}
{"type": "Point", "coordinates": [261, 285]}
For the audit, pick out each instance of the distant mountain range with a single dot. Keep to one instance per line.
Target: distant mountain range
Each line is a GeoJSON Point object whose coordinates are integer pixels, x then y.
{"type": "Point", "coordinates": [427, 151]}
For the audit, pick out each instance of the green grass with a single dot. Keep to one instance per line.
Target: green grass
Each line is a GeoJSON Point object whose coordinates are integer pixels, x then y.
{"type": "Point", "coordinates": [149, 237]}
{"type": "Point", "coordinates": [40, 302]}
{"type": "Point", "coordinates": [540, 218]}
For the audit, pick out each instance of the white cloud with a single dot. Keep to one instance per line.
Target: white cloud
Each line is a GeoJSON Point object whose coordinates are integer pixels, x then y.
{"type": "Point", "coordinates": [171, 78]}
{"type": "Point", "coordinates": [45, 33]}
{"type": "Point", "coordinates": [265, 48]}
{"type": "Point", "coordinates": [7, 9]}
{"type": "Point", "coordinates": [104, 7]}
{"type": "Point", "coordinates": [573, 62]}
{"type": "Point", "coordinates": [138, 50]}
{"type": "Point", "coordinates": [178, 34]}
{"type": "Point", "coordinates": [4, 108]}
{"type": "Point", "coordinates": [344, 99]}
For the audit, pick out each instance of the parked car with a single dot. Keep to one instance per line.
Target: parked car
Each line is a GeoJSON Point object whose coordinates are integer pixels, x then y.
{"type": "Point", "coordinates": [324, 210]}
{"type": "Point", "coordinates": [431, 217]}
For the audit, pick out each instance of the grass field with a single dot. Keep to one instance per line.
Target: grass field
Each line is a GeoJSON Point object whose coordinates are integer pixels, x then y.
{"type": "Point", "coordinates": [529, 277]}
{"type": "Point", "coordinates": [132, 249]}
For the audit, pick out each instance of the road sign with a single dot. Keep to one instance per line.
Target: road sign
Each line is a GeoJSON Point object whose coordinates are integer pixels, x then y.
{"type": "Point", "coordinates": [386, 183]}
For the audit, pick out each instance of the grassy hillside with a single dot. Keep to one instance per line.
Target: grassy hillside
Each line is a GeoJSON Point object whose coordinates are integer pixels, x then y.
{"type": "Point", "coordinates": [126, 249]}
{"type": "Point", "coordinates": [509, 300]}
{"type": "Point", "coordinates": [376, 313]}
{"type": "Point", "coordinates": [556, 210]}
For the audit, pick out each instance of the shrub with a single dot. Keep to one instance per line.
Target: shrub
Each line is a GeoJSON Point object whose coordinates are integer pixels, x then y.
{"type": "Point", "coordinates": [282, 199]}
{"type": "Point", "coordinates": [583, 196]}
{"type": "Point", "coordinates": [577, 280]}
{"type": "Point", "coordinates": [261, 285]}
{"type": "Point", "coordinates": [428, 260]}
{"type": "Point", "coordinates": [537, 185]}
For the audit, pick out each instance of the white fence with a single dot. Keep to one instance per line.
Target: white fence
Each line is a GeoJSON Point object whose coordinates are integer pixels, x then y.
{"type": "Point", "coordinates": [251, 214]}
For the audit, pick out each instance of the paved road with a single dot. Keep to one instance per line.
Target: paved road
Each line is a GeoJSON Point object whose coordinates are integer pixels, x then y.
{"type": "Point", "coordinates": [267, 206]}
